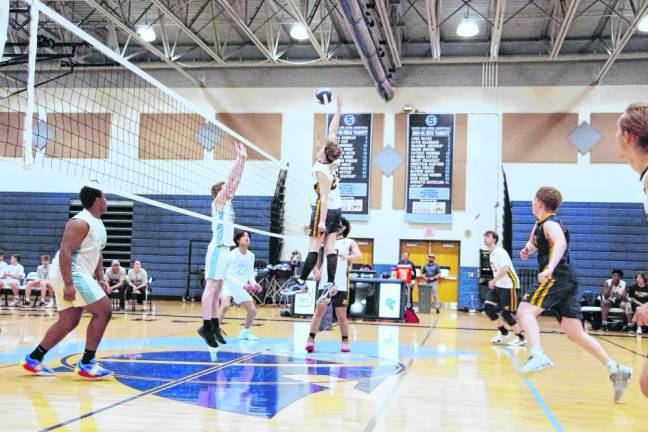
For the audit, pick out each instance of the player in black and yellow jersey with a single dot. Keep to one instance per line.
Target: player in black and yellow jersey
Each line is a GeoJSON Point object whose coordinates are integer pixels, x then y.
{"type": "Point", "coordinates": [558, 291]}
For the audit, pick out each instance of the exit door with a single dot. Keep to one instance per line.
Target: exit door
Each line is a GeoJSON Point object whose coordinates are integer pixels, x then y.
{"type": "Point", "coordinates": [447, 257]}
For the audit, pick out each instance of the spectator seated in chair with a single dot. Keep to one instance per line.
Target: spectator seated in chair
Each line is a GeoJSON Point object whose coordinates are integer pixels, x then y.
{"type": "Point", "coordinates": [638, 295]}
{"type": "Point", "coordinates": [11, 277]}
{"type": "Point", "coordinates": [41, 283]}
{"type": "Point", "coordinates": [115, 277]}
{"type": "Point", "coordinates": [614, 295]}
{"type": "Point", "coordinates": [137, 281]}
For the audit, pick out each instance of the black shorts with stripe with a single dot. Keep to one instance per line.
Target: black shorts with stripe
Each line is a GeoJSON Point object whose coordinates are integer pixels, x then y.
{"type": "Point", "coordinates": [559, 294]}
{"type": "Point", "coordinates": [505, 298]}
{"type": "Point", "coordinates": [340, 299]}
{"type": "Point", "coordinates": [333, 220]}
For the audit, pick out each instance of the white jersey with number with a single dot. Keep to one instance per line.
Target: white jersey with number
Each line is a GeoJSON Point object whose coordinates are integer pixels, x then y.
{"type": "Point", "coordinates": [223, 225]}
{"type": "Point", "coordinates": [500, 258]}
{"type": "Point", "coordinates": [86, 258]}
{"type": "Point", "coordinates": [331, 171]}
{"type": "Point", "coordinates": [343, 247]}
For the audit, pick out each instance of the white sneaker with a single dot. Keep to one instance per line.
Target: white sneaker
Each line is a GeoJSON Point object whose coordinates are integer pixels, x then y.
{"type": "Point", "coordinates": [14, 303]}
{"type": "Point", "coordinates": [144, 308]}
{"type": "Point", "coordinates": [246, 334]}
{"type": "Point", "coordinates": [498, 338]}
{"type": "Point", "coordinates": [620, 378]}
{"type": "Point", "coordinates": [536, 362]}
{"type": "Point", "coordinates": [518, 341]}
{"type": "Point", "coordinates": [639, 331]}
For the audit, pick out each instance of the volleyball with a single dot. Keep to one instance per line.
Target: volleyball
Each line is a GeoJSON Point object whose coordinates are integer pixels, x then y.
{"type": "Point", "coordinates": [324, 95]}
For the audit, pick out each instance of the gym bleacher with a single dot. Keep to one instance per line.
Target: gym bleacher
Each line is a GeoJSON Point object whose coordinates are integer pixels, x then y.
{"type": "Point", "coordinates": [32, 223]}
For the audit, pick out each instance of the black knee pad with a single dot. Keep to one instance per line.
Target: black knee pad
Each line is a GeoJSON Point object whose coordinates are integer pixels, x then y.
{"type": "Point", "coordinates": [509, 318]}
{"type": "Point", "coordinates": [491, 311]}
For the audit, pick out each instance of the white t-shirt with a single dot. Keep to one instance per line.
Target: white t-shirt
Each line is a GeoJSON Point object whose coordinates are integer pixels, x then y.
{"type": "Point", "coordinates": [42, 272]}
{"type": "Point", "coordinates": [3, 268]}
{"type": "Point", "coordinates": [16, 270]}
{"type": "Point", "coordinates": [223, 225]}
{"type": "Point", "coordinates": [617, 290]}
{"type": "Point", "coordinates": [343, 247]}
{"type": "Point", "coordinates": [137, 278]}
{"type": "Point", "coordinates": [240, 269]}
{"type": "Point", "coordinates": [500, 258]}
{"type": "Point", "coordinates": [331, 171]}
{"type": "Point", "coordinates": [86, 258]}
{"type": "Point", "coordinates": [110, 275]}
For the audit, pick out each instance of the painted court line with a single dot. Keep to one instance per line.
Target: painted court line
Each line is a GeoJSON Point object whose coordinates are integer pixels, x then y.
{"type": "Point", "coordinates": [382, 408]}
{"type": "Point", "coordinates": [151, 391]}
{"type": "Point", "coordinates": [534, 392]}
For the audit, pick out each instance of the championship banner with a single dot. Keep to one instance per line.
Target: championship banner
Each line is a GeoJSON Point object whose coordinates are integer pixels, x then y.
{"type": "Point", "coordinates": [354, 138]}
{"type": "Point", "coordinates": [429, 168]}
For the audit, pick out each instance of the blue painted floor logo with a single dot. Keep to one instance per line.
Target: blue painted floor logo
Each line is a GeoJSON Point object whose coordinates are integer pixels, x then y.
{"type": "Point", "coordinates": [255, 384]}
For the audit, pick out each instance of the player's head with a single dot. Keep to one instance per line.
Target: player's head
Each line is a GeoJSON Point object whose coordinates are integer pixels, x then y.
{"type": "Point", "coordinates": [345, 227]}
{"type": "Point", "coordinates": [242, 238]}
{"type": "Point", "coordinates": [640, 278]}
{"type": "Point", "coordinates": [617, 275]}
{"type": "Point", "coordinates": [405, 256]}
{"type": "Point", "coordinates": [490, 239]}
{"type": "Point", "coordinates": [44, 259]}
{"type": "Point", "coordinates": [15, 259]}
{"type": "Point", "coordinates": [332, 152]}
{"type": "Point", "coordinates": [431, 258]}
{"type": "Point", "coordinates": [115, 265]}
{"type": "Point", "coordinates": [92, 198]}
{"type": "Point", "coordinates": [546, 200]}
{"type": "Point", "coordinates": [137, 265]}
{"type": "Point", "coordinates": [632, 132]}
{"type": "Point", "coordinates": [216, 189]}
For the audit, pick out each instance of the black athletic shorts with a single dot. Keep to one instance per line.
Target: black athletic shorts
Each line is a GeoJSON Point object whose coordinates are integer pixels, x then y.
{"type": "Point", "coordinates": [506, 299]}
{"type": "Point", "coordinates": [559, 294]}
{"type": "Point", "coordinates": [333, 220]}
{"type": "Point", "coordinates": [340, 299]}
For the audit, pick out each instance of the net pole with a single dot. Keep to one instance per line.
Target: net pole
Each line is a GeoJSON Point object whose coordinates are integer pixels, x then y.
{"type": "Point", "coordinates": [28, 156]}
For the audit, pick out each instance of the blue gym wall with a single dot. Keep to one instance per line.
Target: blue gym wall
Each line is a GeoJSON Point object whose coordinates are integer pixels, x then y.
{"type": "Point", "coordinates": [603, 236]}
{"type": "Point", "coordinates": [32, 224]}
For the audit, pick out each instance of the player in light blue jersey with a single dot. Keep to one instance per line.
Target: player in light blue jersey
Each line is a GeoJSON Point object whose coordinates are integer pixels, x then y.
{"type": "Point", "coordinates": [218, 249]}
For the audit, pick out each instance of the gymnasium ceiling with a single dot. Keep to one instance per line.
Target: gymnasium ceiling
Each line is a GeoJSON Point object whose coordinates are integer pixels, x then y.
{"type": "Point", "coordinates": [199, 34]}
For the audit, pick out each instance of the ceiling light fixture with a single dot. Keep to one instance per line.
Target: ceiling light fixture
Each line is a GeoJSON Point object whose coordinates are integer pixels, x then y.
{"type": "Point", "coordinates": [467, 27]}
{"type": "Point", "coordinates": [298, 32]}
{"type": "Point", "coordinates": [146, 32]}
{"type": "Point", "coordinates": [643, 24]}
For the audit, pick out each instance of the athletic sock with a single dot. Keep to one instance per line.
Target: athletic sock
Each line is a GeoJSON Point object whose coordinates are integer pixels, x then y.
{"type": "Point", "coordinates": [207, 324]}
{"type": "Point", "coordinates": [345, 338]}
{"type": "Point", "coordinates": [520, 335]}
{"type": "Point", "coordinates": [331, 266]}
{"type": "Point", "coordinates": [612, 365]}
{"type": "Point", "coordinates": [215, 324]}
{"type": "Point", "coordinates": [311, 336]}
{"type": "Point", "coordinates": [38, 353]}
{"type": "Point", "coordinates": [88, 355]}
{"type": "Point", "coordinates": [309, 264]}
{"type": "Point", "coordinates": [503, 330]}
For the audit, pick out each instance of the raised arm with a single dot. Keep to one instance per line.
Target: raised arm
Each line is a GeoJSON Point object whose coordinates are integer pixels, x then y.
{"type": "Point", "coordinates": [234, 177]}
{"type": "Point", "coordinates": [335, 123]}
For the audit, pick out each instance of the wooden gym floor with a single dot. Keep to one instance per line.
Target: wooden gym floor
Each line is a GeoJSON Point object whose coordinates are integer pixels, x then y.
{"type": "Point", "coordinates": [441, 375]}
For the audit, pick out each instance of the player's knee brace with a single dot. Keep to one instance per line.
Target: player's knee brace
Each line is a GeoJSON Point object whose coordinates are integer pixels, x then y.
{"type": "Point", "coordinates": [491, 311]}
{"type": "Point", "coordinates": [509, 318]}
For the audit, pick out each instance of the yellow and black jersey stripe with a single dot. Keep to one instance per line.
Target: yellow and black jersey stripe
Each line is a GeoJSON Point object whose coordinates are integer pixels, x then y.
{"type": "Point", "coordinates": [312, 232]}
{"type": "Point", "coordinates": [541, 292]}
